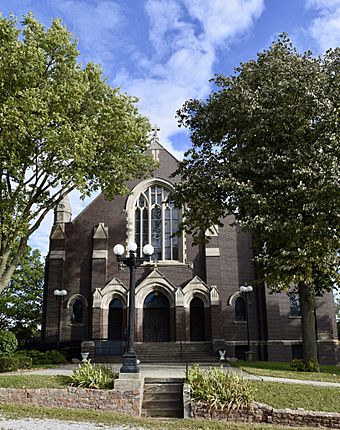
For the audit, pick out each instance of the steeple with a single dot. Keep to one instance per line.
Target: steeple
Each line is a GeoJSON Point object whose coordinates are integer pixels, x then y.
{"type": "Point", "coordinates": [62, 212]}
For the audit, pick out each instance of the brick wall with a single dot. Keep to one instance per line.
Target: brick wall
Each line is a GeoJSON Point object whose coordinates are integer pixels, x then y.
{"type": "Point", "coordinates": [123, 402]}
{"type": "Point", "coordinates": [262, 413]}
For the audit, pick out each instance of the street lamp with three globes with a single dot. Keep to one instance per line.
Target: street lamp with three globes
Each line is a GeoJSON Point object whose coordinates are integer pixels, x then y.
{"type": "Point", "coordinates": [132, 262]}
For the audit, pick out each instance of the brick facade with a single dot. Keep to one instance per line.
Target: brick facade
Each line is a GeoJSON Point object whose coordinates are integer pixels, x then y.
{"type": "Point", "coordinates": [81, 261]}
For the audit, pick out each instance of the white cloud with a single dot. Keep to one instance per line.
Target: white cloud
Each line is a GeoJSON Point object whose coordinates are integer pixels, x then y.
{"type": "Point", "coordinates": [96, 25]}
{"type": "Point", "coordinates": [221, 19]}
{"type": "Point", "coordinates": [185, 35]}
{"type": "Point", "coordinates": [325, 28]}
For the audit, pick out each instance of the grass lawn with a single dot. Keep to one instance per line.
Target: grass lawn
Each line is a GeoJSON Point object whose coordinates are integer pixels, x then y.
{"type": "Point", "coordinates": [294, 396]}
{"type": "Point", "coordinates": [283, 370]}
{"type": "Point", "coordinates": [34, 381]}
{"type": "Point", "coordinates": [109, 418]}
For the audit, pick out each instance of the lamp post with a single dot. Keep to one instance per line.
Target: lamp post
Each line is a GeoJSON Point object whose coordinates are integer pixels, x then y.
{"type": "Point", "coordinates": [132, 262]}
{"type": "Point", "coordinates": [59, 294]}
{"type": "Point", "coordinates": [245, 291]}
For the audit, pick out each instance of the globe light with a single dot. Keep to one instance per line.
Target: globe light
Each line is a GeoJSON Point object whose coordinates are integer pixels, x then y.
{"type": "Point", "coordinates": [249, 289]}
{"type": "Point", "coordinates": [132, 247]}
{"type": "Point", "coordinates": [243, 289]}
{"type": "Point", "coordinates": [148, 249]}
{"type": "Point", "coordinates": [60, 293]}
{"type": "Point", "coordinates": [118, 249]}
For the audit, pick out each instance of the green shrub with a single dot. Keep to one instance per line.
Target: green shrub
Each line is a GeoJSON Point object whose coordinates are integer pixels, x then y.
{"type": "Point", "coordinates": [9, 364]}
{"type": "Point", "coordinates": [38, 357]}
{"type": "Point", "coordinates": [48, 357]}
{"type": "Point", "coordinates": [93, 376]}
{"type": "Point", "coordinates": [297, 365]}
{"type": "Point", "coordinates": [55, 357]}
{"type": "Point", "coordinates": [220, 391]}
{"type": "Point", "coordinates": [24, 362]}
{"type": "Point", "coordinates": [300, 366]}
{"type": "Point", "coordinates": [8, 343]}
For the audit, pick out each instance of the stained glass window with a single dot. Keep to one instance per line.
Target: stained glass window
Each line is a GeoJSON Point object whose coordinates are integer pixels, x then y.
{"type": "Point", "coordinates": [294, 304]}
{"type": "Point", "coordinates": [156, 222]}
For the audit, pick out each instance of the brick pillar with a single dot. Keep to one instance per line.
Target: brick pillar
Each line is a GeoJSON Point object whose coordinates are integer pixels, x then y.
{"type": "Point", "coordinates": [97, 323]}
{"type": "Point", "coordinates": [216, 318]}
{"type": "Point", "coordinates": [179, 316]}
{"type": "Point", "coordinates": [139, 325]}
{"type": "Point", "coordinates": [55, 281]}
{"type": "Point", "coordinates": [180, 323]}
{"type": "Point", "coordinates": [216, 313]}
{"type": "Point", "coordinates": [187, 324]}
{"type": "Point", "coordinates": [99, 277]}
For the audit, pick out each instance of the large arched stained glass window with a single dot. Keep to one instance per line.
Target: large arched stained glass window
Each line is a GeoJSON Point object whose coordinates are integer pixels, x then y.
{"type": "Point", "coordinates": [156, 222]}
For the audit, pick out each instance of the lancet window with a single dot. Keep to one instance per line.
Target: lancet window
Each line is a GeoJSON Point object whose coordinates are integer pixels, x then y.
{"type": "Point", "coordinates": [156, 222]}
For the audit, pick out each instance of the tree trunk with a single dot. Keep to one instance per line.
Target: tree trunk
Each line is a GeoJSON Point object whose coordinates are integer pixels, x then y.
{"type": "Point", "coordinates": [307, 305]}
{"type": "Point", "coordinates": [10, 262]}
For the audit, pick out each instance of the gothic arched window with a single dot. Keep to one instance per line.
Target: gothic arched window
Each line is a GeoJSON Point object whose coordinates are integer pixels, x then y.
{"type": "Point", "coordinates": [294, 304]}
{"type": "Point", "coordinates": [240, 309]}
{"type": "Point", "coordinates": [77, 311]}
{"type": "Point", "coordinates": [156, 222]}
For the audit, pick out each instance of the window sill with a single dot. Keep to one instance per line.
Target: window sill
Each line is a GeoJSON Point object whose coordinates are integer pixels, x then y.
{"type": "Point", "coordinates": [162, 263]}
{"type": "Point", "coordinates": [239, 322]}
{"type": "Point", "coordinates": [294, 316]}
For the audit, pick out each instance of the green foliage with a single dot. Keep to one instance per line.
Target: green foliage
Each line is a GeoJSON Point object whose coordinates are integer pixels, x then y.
{"type": "Point", "coordinates": [301, 366]}
{"type": "Point", "coordinates": [48, 357]}
{"type": "Point", "coordinates": [9, 364]}
{"type": "Point", "coordinates": [266, 148]}
{"type": "Point", "coordinates": [8, 343]}
{"type": "Point", "coordinates": [62, 128]}
{"type": "Point", "coordinates": [93, 376]}
{"type": "Point", "coordinates": [21, 301]}
{"type": "Point", "coordinates": [24, 362]}
{"type": "Point", "coordinates": [266, 151]}
{"type": "Point", "coordinates": [220, 390]}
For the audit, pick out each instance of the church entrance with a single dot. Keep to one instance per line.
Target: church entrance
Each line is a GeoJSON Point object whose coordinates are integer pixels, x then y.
{"type": "Point", "coordinates": [197, 323]}
{"type": "Point", "coordinates": [115, 328]}
{"type": "Point", "coordinates": [156, 318]}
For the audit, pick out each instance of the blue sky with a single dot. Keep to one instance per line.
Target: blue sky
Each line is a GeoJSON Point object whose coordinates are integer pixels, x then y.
{"type": "Point", "coordinates": [165, 51]}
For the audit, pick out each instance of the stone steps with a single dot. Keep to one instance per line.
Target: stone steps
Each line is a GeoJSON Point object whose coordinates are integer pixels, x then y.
{"type": "Point", "coordinates": [163, 398]}
{"type": "Point", "coordinates": [172, 352]}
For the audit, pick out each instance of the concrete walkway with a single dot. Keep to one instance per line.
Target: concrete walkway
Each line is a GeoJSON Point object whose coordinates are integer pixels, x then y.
{"type": "Point", "coordinates": [177, 370]}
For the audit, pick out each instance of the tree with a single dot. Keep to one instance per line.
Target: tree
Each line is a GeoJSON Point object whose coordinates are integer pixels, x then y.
{"type": "Point", "coordinates": [21, 301]}
{"type": "Point", "coordinates": [337, 310]}
{"type": "Point", "coordinates": [266, 149]}
{"type": "Point", "coordinates": [62, 127]}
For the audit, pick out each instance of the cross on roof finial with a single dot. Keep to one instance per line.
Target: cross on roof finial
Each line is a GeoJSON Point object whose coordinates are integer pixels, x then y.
{"type": "Point", "coordinates": [155, 128]}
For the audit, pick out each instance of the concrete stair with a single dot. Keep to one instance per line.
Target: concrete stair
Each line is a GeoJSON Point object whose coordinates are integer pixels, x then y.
{"type": "Point", "coordinates": [175, 352]}
{"type": "Point", "coordinates": [163, 398]}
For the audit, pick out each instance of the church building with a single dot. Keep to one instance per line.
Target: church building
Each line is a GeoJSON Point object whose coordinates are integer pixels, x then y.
{"type": "Point", "coordinates": [188, 299]}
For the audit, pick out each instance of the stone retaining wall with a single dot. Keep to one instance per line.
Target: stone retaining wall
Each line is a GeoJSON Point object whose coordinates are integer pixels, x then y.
{"type": "Point", "coordinates": [262, 413]}
{"type": "Point", "coordinates": [124, 402]}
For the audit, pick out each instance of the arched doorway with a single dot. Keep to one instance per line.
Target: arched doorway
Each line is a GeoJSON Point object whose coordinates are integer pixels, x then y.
{"type": "Point", "coordinates": [156, 318]}
{"type": "Point", "coordinates": [115, 323]}
{"type": "Point", "coordinates": [197, 323]}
